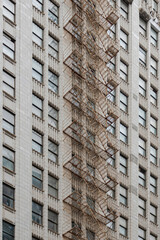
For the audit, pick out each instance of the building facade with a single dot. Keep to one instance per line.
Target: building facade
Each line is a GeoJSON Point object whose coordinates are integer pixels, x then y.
{"type": "Point", "coordinates": [79, 119]}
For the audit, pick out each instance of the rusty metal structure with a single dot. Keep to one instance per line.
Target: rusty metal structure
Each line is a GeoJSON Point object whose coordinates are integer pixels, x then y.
{"type": "Point", "coordinates": [91, 178]}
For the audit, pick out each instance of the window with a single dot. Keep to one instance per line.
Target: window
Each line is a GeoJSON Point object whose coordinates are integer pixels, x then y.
{"type": "Point", "coordinates": [142, 177]}
{"type": "Point", "coordinates": [37, 106]}
{"type": "Point", "coordinates": [153, 214]}
{"type": "Point", "coordinates": [123, 164]}
{"type": "Point", "coordinates": [9, 10]}
{"type": "Point", "coordinates": [8, 196]}
{"type": "Point", "coordinates": [123, 226]}
{"type": "Point", "coordinates": [8, 158]}
{"type": "Point", "coordinates": [53, 12]}
{"type": "Point", "coordinates": [34, 238]}
{"type": "Point", "coordinates": [112, 64]}
{"type": "Point", "coordinates": [37, 177]}
{"type": "Point", "coordinates": [142, 56]}
{"type": "Point", "coordinates": [142, 147]}
{"type": "Point", "coordinates": [143, 27]}
{"type": "Point", "coordinates": [123, 195]}
{"type": "Point", "coordinates": [153, 94]}
{"type": "Point", "coordinates": [53, 186]}
{"type": "Point", "coordinates": [53, 221]}
{"type": "Point", "coordinates": [141, 234]}
{"type": "Point", "coordinates": [53, 82]}
{"type": "Point", "coordinates": [91, 171]}
{"type": "Point", "coordinates": [142, 207]}
{"type": "Point", "coordinates": [8, 231]}
{"type": "Point", "coordinates": [91, 203]}
{"type": "Point", "coordinates": [142, 86]}
{"type": "Point", "coordinates": [8, 121]}
{"type": "Point", "coordinates": [153, 125]}
{"type": "Point", "coordinates": [90, 235]}
{"type": "Point", "coordinates": [37, 35]}
{"type": "Point", "coordinates": [154, 37]}
{"type": "Point", "coordinates": [154, 66]}
{"type": "Point", "coordinates": [38, 4]}
{"type": "Point", "coordinates": [8, 83]}
{"type": "Point", "coordinates": [153, 184]}
{"type": "Point", "coordinates": [153, 155]}
{"type": "Point", "coordinates": [111, 125]}
{"type": "Point", "coordinates": [53, 151]}
{"type": "Point", "coordinates": [8, 46]}
{"type": "Point", "coordinates": [37, 142]}
{"type": "Point", "coordinates": [53, 47]}
{"type": "Point", "coordinates": [123, 133]}
{"type": "Point", "coordinates": [155, 5]}
{"type": "Point", "coordinates": [123, 102]}
{"type": "Point", "coordinates": [53, 117]}
{"type": "Point", "coordinates": [152, 237]}
{"type": "Point", "coordinates": [124, 9]}
{"type": "Point", "coordinates": [142, 117]}
{"type": "Point", "coordinates": [37, 212]}
{"type": "Point", "coordinates": [111, 95]}
{"type": "Point", "coordinates": [37, 70]}
{"type": "Point", "coordinates": [123, 71]}
{"type": "Point", "coordinates": [112, 31]}
{"type": "Point", "coordinates": [123, 40]}
{"type": "Point", "coordinates": [111, 156]}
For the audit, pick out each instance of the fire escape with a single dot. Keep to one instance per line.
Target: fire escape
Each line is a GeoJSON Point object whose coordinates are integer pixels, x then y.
{"type": "Point", "coordinates": [91, 182]}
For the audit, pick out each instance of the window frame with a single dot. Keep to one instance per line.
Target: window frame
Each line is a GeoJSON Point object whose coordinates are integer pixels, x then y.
{"type": "Point", "coordinates": [140, 237]}
{"type": "Point", "coordinates": [153, 186]}
{"type": "Point", "coordinates": [142, 177]}
{"type": "Point", "coordinates": [8, 233]}
{"type": "Point", "coordinates": [123, 104]}
{"type": "Point", "coordinates": [7, 83]}
{"type": "Point", "coordinates": [9, 198]}
{"type": "Point", "coordinates": [55, 188]}
{"type": "Point", "coordinates": [142, 206]}
{"type": "Point", "coordinates": [124, 11]}
{"type": "Point", "coordinates": [153, 95]}
{"type": "Point", "coordinates": [8, 123]}
{"type": "Point", "coordinates": [153, 156]}
{"type": "Point", "coordinates": [51, 13]}
{"type": "Point", "coordinates": [36, 213]}
{"type": "Point", "coordinates": [9, 10]}
{"type": "Point", "coordinates": [123, 195]}
{"type": "Point", "coordinates": [153, 214]}
{"type": "Point", "coordinates": [54, 222]}
{"type": "Point", "coordinates": [143, 27]}
{"type": "Point", "coordinates": [142, 87]}
{"type": "Point", "coordinates": [40, 143]}
{"type": "Point", "coordinates": [154, 66]}
{"type": "Point", "coordinates": [53, 52]}
{"type": "Point", "coordinates": [142, 116]}
{"type": "Point", "coordinates": [123, 135]}
{"type": "Point", "coordinates": [154, 40]}
{"type": "Point", "coordinates": [123, 71]}
{"type": "Point", "coordinates": [142, 60]}
{"type": "Point", "coordinates": [153, 125]}
{"type": "Point", "coordinates": [10, 47]}
{"type": "Point", "coordinates": [123, 226]}
{"type": "Point", "coordinates": [6, 157]}
{"type": "Point", "coordinates": [37, 71]}
{"type": "Point", "coordinates": [52, 117]}
{"type": "Point", "coordinates": [54, 155]}
{"type": "Point", "coordinates": [123, 39]}
{"type": "Point", "coordinates": [40, 3]}
{"type": "Point", "coordinates": [37, 34]}
{"type": "Point", "coordinates": [38, 178]}
{"type": "Point", "coordinates": [142, 146]}
{"type": "Point", "coordinates": [123, 167]}
{"type": "Point", "coordinates": [37, 106]}
{"type": "Point", "coordinates": [55, 83]}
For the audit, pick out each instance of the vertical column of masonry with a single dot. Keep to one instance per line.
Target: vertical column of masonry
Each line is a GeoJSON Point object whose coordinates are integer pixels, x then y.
{"type": "Point", "coordinates": [1, 68]}
{"type": "Point", "coordinates": [45, 119]}
{"type": "Point", "coordinates": [61, 116]}
{"type": "Point", "coordinates": [23, 120]}
{"type": "Point", "coordinates": [158, 105]}
{"type": "Point", "coordinates": [147, 136]}
{"type": "Point", "coordinates": [133, 120]}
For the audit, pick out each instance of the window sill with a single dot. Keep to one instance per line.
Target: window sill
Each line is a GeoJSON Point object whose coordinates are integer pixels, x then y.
{"type": "Point", "coordinates": [124, 50]}
{"type": "Point", "coordinates": [56, 94]}
{"type": "Point", "coordinates": [12, 210]}
{"type": "Point", "coordinates": [9, 171]}
{"type": "Point", "coordinates": [53, 163]}
{"type": "Point", "coordinates": [38, 46]}
{"type": "Point", "coordinates": [143, 66]}
{"type": "Point", "coordinates": [39, 154]}
{"type": "Point", "coordinates": [39, 11]}
{"type": "Point", "coordinates": [13, 99]}
{"type": "Point", "coordinates": [37, 224]}
{"type": "Point", "coordinates": [125, 19]}
{"type": "Point", "coordinates": [51, 231]}
{"type": "Point", "coordinates": [56, 199]}
{"type": "Point", "coordinates": [13, 24]}
{"type": "Point", "coordinates": [156, 47]}
{"type": "Point", "coordinates": [154, 76]}
{"type": "Point", "coordinates": [52, 22]}
{"type": "Point", "coordinates": [12, 61]}
{"type": "Point", "coordinates": [38, 82]}
{"type": "Point", "coordinates": [55, 59]}
{"type": "Point", "coordinates": [13, 136]}
{"type": "Point", "coordinates": [144, 37]}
